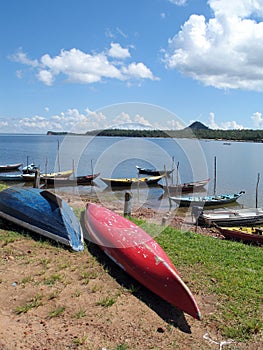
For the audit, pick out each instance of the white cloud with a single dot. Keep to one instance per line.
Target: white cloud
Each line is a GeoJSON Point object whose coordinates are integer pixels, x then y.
{"type": "Point", "coordinates": [224, 51]}
{"type": "Point", "coordinates": [229, 125]}
{"type": "Point", "coordinates": [257, 119]}
{"type": "Point", "coordinates": [138, 70]}
{"type": "Point", "coordinates": [178, 2]}
{"type": "Point", "coordinates": [80, 67]}
{"type": "Point", "coordinates": [118, 52]}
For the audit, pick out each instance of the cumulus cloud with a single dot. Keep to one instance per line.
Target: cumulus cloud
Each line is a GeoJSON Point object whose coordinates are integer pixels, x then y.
{"type": "Point", "coordinates": [118, 52]}
{"type": "Point", "coordinates": [229, 125]}
{"type": "Point", "coordinates": [257, 118]}
{"type": "Point", "coordinates": [81, 67]}
{"type": "Point", "coordinates": [224, 51]}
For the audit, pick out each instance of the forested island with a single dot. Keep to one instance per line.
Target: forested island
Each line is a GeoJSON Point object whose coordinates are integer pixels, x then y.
{"type": "Point", "coordinates": [195, 130]}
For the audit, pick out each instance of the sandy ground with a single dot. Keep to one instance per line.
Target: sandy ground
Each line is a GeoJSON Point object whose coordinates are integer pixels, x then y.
{"type": "Point", "coordinates": [52, 298]}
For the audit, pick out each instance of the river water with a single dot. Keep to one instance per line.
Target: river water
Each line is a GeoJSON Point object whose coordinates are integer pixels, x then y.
{"type": "Point", "coordinates": [234, 165]}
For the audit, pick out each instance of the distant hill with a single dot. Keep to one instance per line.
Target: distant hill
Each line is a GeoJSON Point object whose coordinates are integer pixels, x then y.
{"type": "Point", "coordinates": [197, 126]}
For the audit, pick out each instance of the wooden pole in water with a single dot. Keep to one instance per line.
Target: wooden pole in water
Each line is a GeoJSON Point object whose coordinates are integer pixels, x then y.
{"type": "Point", "coordinates": [168, 192]}
{"type": "Point", "coordinates": [257, 190]}
{"type": "Point", "coordinates": [58, 158]}
{"type": "Point", "coordinates": [214, 175]}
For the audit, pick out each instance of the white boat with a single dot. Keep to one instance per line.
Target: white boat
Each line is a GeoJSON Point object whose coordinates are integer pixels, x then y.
{"type": "Point", "coordinates": [234, 217]}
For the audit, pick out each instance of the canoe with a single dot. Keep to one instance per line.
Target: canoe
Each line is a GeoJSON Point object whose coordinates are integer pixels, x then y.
{"type": "Point", "coordinates": [137, 253]}
{"type": "Point", "coordinates": [63, 174]}
{"type": "Point", "coordinates": [11, 177]}
{"type": "Point", "coordinates": [42, 212]}
{"type": "Point", "coordinates": [128, 182]}
{"type": "Point", "coordinates": [235, 217]}
{"type": "Point", "coordinates": [185, 187]}
{"type": "Point", "coordinates": [201, 201]}
{"type": "Point", "coordinates": [153, 172]}
{"type": "Point", "coordinates": [10, 167]}
{"type": "Point", "coordinates": [244, 234]}
{"type": "Point", "coordinates": [63, 181]}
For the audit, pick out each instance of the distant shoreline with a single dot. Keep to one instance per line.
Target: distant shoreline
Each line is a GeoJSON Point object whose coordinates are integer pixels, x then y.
{"type": "Point", "coordinates": [244, 135]}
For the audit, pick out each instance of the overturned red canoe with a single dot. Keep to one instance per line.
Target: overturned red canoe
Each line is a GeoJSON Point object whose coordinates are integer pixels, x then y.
{"type": "Point", "coordinates": [136, 252]}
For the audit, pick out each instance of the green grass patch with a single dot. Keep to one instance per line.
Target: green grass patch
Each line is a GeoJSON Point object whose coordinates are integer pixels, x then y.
{"type": "Point", "coordinates": [232, 271]}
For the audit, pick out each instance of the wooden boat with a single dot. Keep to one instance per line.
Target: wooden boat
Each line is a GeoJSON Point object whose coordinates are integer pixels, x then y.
{"type": "Point", "coordinates": [62, 174]}
{"type": "Point", "coordinates": [235, 217]}
{"type": "Point", "coordinates": [185, 187]}
{"type": "Point", "coordinates": [139, 255]}
{"type": "Point", "coordinates": [11, 177]}
{"type": "Point", "coordinates": [244, 234]}
{"type": "Point", "coordinates": [128, 182]}
{"type": "Point", "coordinates": [42, 212]}
{"type": "Point", "coordinates": [201, 201]}
{"type": "Point", "coordinates": [67, 181]}
{"type": "Point", "coordinates": [153, 172]}
{"type": "Point", "coordinates": [10, 167]}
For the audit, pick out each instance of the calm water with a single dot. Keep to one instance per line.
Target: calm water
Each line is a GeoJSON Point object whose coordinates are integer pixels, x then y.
{"type": "Point", "coordinates": [237, 163]}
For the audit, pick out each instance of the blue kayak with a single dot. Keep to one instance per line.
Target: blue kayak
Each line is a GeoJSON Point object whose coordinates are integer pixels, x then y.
{"type": "Point", "coordinates": [42, 212]}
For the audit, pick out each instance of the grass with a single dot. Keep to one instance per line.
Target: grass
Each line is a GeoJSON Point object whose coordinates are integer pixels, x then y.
{"type": "Point", "coordinates": [232, 271]}
{"type": "Point", "coordinates": [35, 302]}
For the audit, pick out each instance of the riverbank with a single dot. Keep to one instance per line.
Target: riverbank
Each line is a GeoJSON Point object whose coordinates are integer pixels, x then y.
{"type": "Point", "coordinates": [52, 298]}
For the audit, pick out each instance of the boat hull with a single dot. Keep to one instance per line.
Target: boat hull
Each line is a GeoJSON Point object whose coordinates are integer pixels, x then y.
{"type": "Point", "coordinates": [185, 187]}
{"type": "Point", "coordinates": [134, 181]}
{"type": "Point", "coordinates": [153, 172]}
{"type": "Point", "coordinates": [244, 234]}
{"type": "Point", "coordinates": [206, 201]}
{"type": "Point", "coordinates": [139, 255]}
{"type": "Point", "coordinates": [10, 167]}
{"type": "Point", "coordinates": [42, 212]}
{"type": "Point", "coordinates": [239, 217]}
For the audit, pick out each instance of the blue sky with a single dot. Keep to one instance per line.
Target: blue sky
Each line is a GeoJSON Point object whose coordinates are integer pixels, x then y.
{"type": "Point", "coordinates": [77, 65]}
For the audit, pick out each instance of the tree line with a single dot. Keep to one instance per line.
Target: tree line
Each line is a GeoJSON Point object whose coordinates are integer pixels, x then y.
{"type": "Point", "coordinates": [219, 134]}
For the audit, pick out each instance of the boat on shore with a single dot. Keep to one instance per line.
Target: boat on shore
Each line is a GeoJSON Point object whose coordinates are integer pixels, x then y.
{"type": "Point", "coordinates": [128, 182]}
{"type": "Point", "coordinates": [137, 253]}
{"type": "Point", "coordinates": [202, 201]}
{"type": "Point", "coordinates": [30, 169]}
{"type": "Point", "coordinates": [153, 172]}
{"type": "Point", "coordinates": [42, 212]}
{"type": "Point", "coordinates": [244, 234]}
{"type": "Point", "coordinates": [185, 187]}
{"type": "Point", "coordinates": [10, 167]}
{"type": "Point", "coordinates": [234, 217]}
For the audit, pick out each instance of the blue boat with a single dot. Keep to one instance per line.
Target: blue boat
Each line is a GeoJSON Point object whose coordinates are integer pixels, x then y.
{"type": "Point", "coordinates": [43, 212]}
{"type": "Point", "coordinates": [216, 200]}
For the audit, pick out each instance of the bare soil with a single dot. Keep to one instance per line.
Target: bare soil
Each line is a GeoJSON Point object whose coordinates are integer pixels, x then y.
{"type": "Point", "coordinates": [52, 298]}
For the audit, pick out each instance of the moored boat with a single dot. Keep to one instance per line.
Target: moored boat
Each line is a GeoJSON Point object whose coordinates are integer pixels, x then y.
{"type": "Point", "coordinates": [11, 177]}
{"type": "Point", "coordinates": [153, 172]}
{"type": "Point", "coordinates": [136, 252]}
{"type": "Point", "coordinates": [244, 234]}
{"type": "Point", "coordinates": [128, 182]}
{"type": "Point", "coordinates": [63, 174]}
{"type": "Point", "coordinates": [10, 167]}
{"type": "Point", "coordinates": [202, 201]}
{"type": "Point", "coordinates": [68, 181]}
{"type": "Point", "coordinates": [185, 187]}
{"type": "Point", "coordinates": [234, 217]}
{"type": "Point", "coordinates": [42, 212]}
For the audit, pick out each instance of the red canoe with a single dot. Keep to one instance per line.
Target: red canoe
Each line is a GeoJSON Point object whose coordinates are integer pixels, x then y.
{"type": "Point", "coordinates": [136, 252]}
